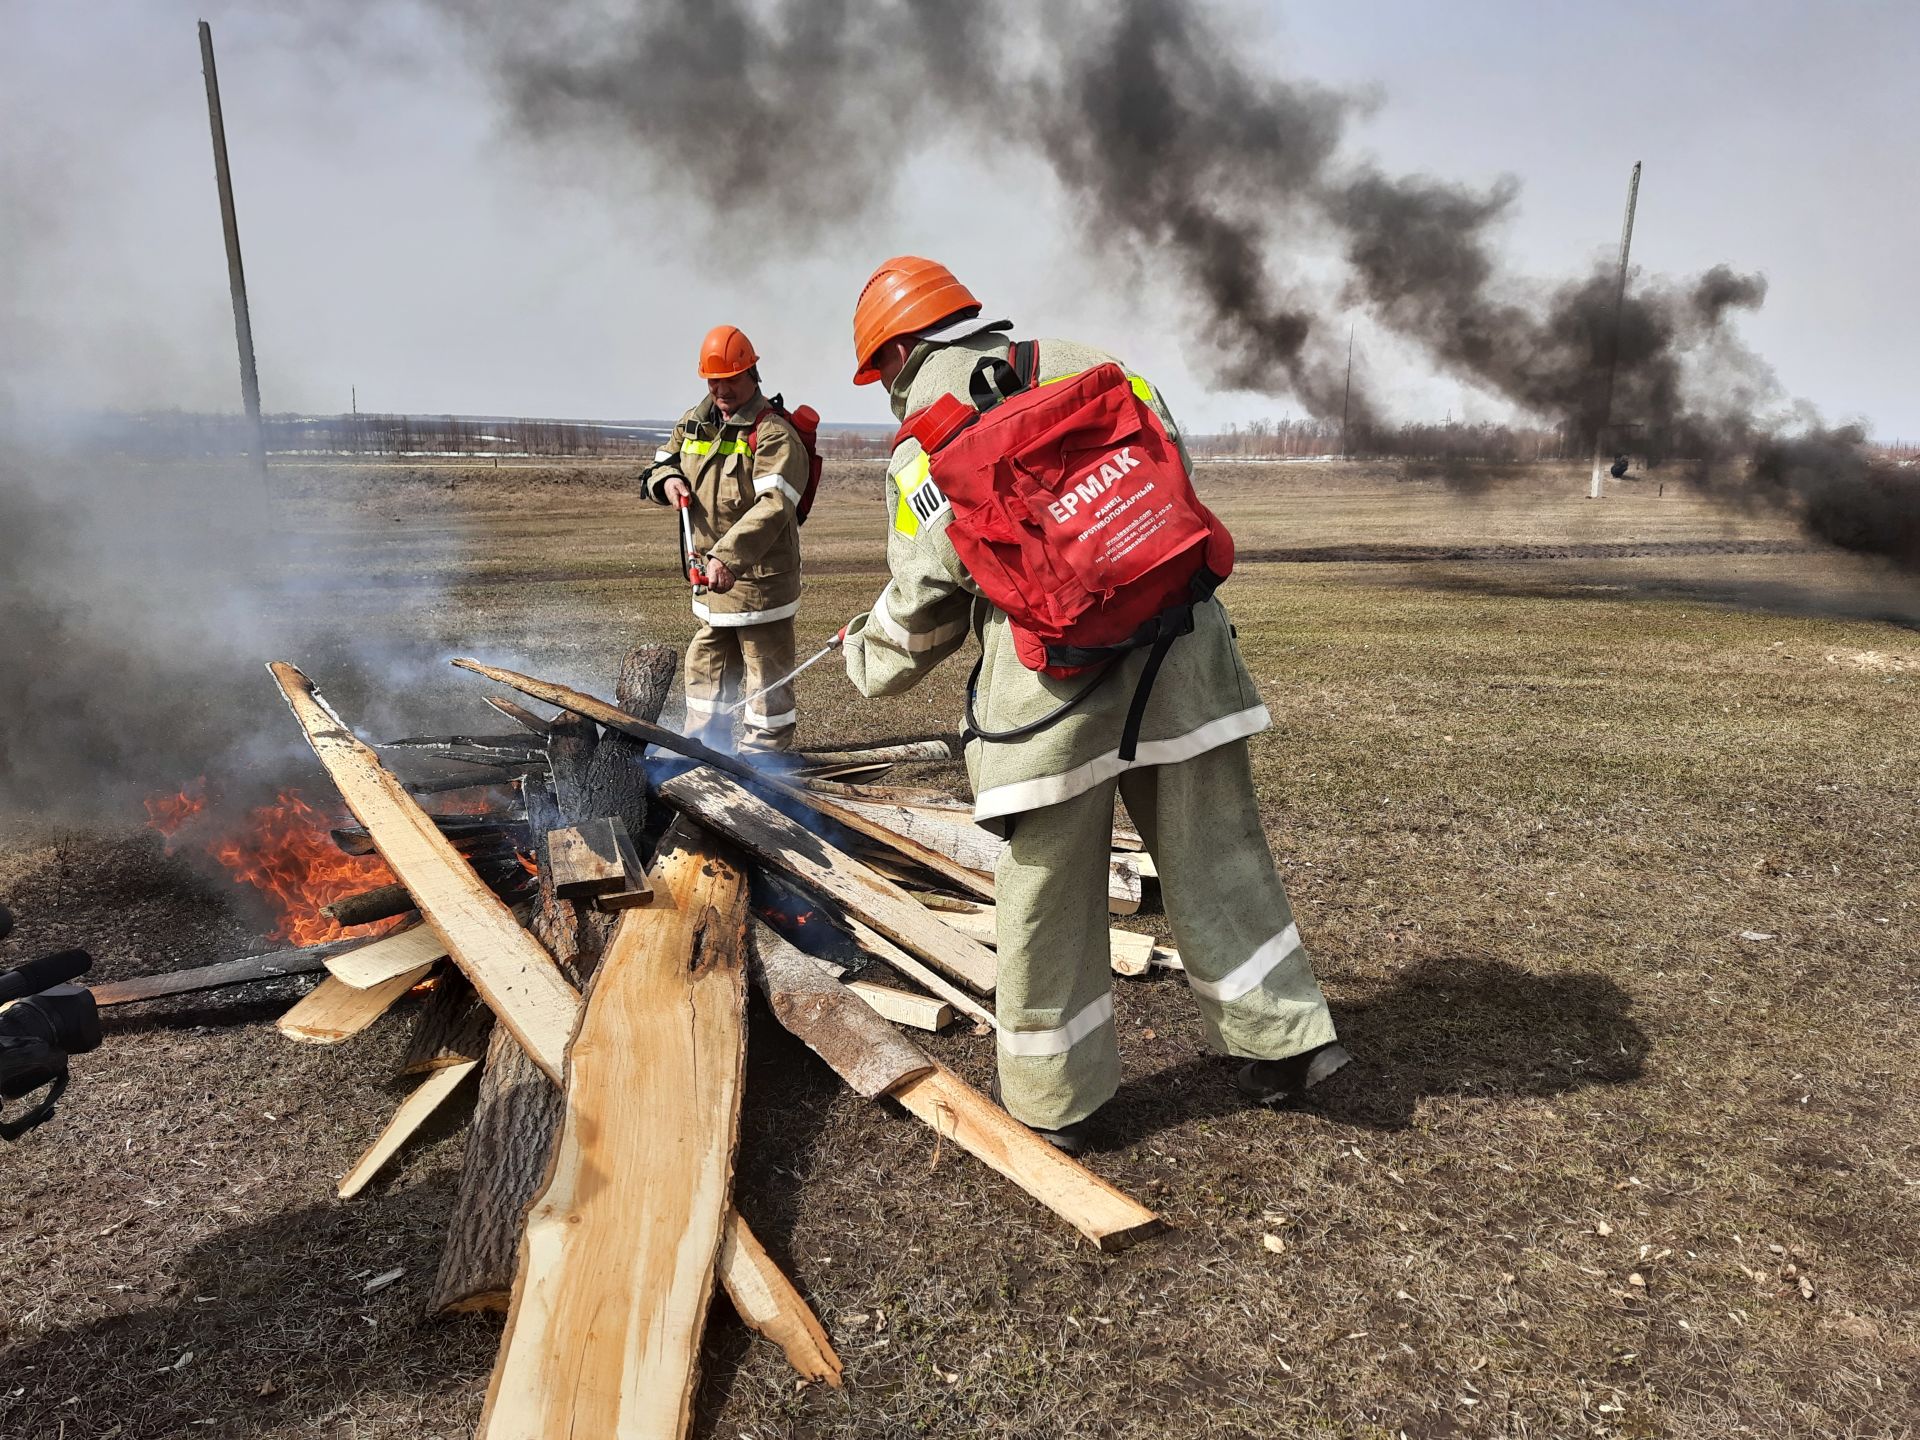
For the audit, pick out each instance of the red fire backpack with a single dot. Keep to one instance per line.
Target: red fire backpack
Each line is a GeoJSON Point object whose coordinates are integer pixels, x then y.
{"type": "Point", "coordinates": [806, 423]}
{"type": "Point", "coordinates": [1073, 513]}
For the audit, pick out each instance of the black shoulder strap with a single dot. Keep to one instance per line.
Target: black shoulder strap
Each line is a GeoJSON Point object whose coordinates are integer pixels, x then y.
{"type": "Point", "coordinates": [1024, 357]}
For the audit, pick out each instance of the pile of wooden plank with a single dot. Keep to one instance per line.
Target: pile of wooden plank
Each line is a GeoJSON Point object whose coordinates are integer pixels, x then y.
{"type": "Point", "coordinates": [599, 1004]}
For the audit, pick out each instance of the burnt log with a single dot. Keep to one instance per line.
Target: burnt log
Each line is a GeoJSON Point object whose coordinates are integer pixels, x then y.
{"type": "Point", "coordinates": [453, 1026]}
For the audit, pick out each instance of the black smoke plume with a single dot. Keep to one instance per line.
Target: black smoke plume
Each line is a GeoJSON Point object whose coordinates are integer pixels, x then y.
{"type": "Point", "coordinates": [789, 120]}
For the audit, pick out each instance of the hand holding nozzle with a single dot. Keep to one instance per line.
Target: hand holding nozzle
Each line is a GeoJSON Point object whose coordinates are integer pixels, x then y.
{"type": "Point", "coordinates": [696, 573]}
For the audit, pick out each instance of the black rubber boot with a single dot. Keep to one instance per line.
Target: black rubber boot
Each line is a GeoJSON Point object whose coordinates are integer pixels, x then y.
{"type": "Point", "coordinates": [1275, 1082]}
{"type": "Point", "coordinates": [1068, 1139]}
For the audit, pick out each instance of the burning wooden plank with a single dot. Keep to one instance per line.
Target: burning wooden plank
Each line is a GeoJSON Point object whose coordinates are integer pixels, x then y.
{"type": "Point", "coordinates": [581, 703]}
{"type": "Point", "coordinates": [518, 979]}
{"type": "Point", "coordinates": [425, 1098]}
{"type": "Point", "coordinates": [622, 1246]}
{"type": "Point", "coordinates": [513, 973]}
{"type": "Point", "coordinates": [762, 831]}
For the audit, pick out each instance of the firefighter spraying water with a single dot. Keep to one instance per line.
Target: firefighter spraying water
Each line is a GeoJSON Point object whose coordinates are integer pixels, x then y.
{"type": "Point", "coordinates": [1039, 496]}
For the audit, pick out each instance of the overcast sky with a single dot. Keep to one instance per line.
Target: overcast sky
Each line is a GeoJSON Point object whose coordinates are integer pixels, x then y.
{"type": "Point", "coordinates": [401, 240]}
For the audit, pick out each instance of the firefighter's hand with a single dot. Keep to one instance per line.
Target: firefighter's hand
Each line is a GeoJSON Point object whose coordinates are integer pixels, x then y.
{"type": "Point", "coordinates": [719, 578]}
{"type": "Point", "coordinates": [675, 490]}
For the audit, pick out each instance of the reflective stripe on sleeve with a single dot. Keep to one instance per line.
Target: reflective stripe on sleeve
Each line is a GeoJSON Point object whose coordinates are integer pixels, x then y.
{"type": "Point", "coordinates": [734, 619]}
{"type": "Point", "coordinates": [1061, 1038]}
{"type": "Point", "coordinates": [1245, 977]}
{"type": "Point", "coordinates": [907, 640]}
{"type": "Point", "coordinates": [767, 484]}
{"type": "Point", "coordinates": [660, 455]}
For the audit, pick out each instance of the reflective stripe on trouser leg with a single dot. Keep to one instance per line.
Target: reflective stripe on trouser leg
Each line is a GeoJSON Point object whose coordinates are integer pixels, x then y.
{"type": "Point", "coordinates": [713, 683]}
{"type": "Point", "coordinates": [1244, 961]}
{"type": "Point", "coordinates": [766, 651]}
{"type": "Point", "coordinates": [1059, 1061]}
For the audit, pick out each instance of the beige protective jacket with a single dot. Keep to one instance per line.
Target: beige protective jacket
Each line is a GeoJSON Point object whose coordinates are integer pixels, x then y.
{"type": "Point", "coordinates": [1202, 698]}
{"type": "Point", "coordinates": [744, 494]}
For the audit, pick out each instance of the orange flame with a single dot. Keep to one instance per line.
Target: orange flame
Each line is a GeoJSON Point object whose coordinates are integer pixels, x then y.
{"type": "Point", "coordinates": [282, 850]}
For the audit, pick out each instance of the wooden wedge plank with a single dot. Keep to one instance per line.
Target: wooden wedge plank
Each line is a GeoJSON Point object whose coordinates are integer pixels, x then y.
{"type": "Point", "coordinates": [765, 1299]}
{"type": "Point", "coordinates": [1107, 1216]}
{"type": "Point", "coordinates": [865, 1051]}
{"type": "Point", "coordinates": [903, 1007]}
{"type": "Point", "coordinates": [414, 1111]}
{"type": "Point", "coordinates": [518, 979]}
{"type": "Point", "coordinates": [722, 805]}
{"type": "Point", "coordinates": [374, 962]}
{"type": "Point", "coordinates": [276, 966]}
{"type": "Point", "coordinates": [333, 1011]}
{"type": "Point", "coordinates": [622, 1246]}
{"type": "Point", "coordinates": [616, 719]}
{"type": "Point", "coordinates": [909, 751]}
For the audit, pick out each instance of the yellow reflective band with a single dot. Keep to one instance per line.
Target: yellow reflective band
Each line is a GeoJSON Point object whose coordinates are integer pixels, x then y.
{"type": "Point", "coordinates": [920, 499]}
{"type": "Point", "coordinates": [1138, 382]}
{"type": "Point", "coordinates": [708, 447]}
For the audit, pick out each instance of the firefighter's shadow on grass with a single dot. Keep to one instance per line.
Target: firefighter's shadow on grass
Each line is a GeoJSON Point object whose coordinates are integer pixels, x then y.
{"type": "Point", "coordinates": [1447, 1026]}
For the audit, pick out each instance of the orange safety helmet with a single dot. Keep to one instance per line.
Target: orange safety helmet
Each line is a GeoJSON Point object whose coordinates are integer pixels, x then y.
{"type": "Point", "coordinates": [726, 351]}
{"type": "Point", "coordinates": [904, 295]}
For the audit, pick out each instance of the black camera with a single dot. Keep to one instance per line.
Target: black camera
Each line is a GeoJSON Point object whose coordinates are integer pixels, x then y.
{"type": "Point", "coordinates": [43, 1020]}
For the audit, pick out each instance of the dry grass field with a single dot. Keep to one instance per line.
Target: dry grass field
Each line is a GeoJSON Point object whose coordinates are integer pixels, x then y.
{"type": "Point", "coordinates": [1600, 820]}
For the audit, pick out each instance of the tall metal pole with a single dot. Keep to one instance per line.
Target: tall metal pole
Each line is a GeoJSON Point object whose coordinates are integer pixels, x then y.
{"type": "Point", "coordinates": [1346, 400]}
{"type": "Point", "coordinates": [1600, 460]}
{"type": "Point", "coordinates": [236, 275]}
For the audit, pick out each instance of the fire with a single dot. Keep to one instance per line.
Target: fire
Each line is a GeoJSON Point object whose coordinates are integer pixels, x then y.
{"type": "Point", "coordinates": [281, 849]}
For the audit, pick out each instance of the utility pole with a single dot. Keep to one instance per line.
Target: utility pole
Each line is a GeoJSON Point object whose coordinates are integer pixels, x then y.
{"type": "Point", "coordinates": [1346, 400]}
{"type": "Point", "coordinates": [236, 275]}
{"type": "Point", "coordinates": [1600, 458]}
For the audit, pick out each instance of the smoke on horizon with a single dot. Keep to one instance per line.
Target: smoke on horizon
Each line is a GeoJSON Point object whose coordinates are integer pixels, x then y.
{"type": "Point", "coordinates": [1184, 160]}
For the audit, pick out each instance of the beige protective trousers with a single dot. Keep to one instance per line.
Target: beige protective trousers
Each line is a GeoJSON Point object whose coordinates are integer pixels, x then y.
{"type": "Point", "coordinates": [1059, 1058]}
{"type": "Point", "coordinates": [726, 662]}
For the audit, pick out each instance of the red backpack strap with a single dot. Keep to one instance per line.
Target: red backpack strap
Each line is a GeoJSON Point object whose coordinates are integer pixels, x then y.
{"type": "Point", "coordinates": [1024, 357]}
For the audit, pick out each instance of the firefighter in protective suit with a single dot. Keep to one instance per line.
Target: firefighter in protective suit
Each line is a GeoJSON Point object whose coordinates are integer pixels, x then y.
{"type": "Point", "coordinates": [1188, 786]}
{"type": "Point", "coordinates": [741, 469]}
